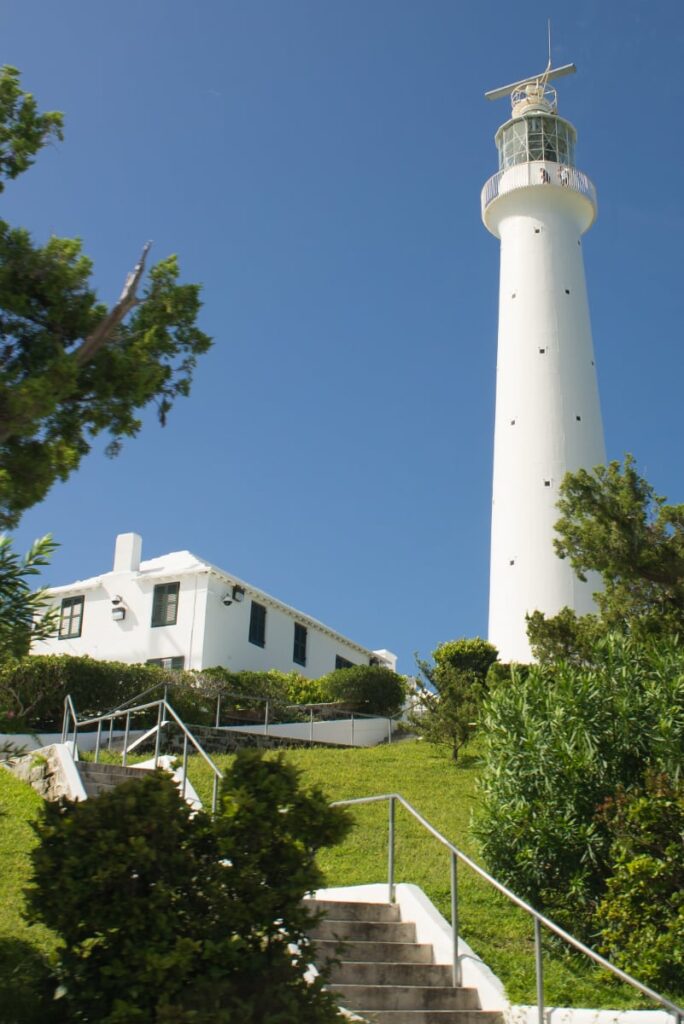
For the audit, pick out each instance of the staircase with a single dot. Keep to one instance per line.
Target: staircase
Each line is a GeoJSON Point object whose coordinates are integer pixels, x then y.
{"type": "Point", "coordinates": [103, 778]}
{"type": "Point", "coordinates": [381, 973]}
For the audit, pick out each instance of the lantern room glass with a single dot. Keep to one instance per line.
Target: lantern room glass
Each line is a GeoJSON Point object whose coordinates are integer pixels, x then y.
{"type": "Point", "coordinates": [536, 137]}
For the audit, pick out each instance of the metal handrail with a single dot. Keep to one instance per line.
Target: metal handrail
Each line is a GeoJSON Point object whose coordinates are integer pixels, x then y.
{"type": "Point", "coordinates": [163, 708]}
{"type": "Point", "coordinates": [539, 919]}
{"type": "Point", "coordinates": [537, 173]}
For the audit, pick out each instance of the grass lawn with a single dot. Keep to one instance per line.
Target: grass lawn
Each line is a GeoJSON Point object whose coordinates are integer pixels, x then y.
{"type": "Point", "coordinates": [444, 792]}
{"type": "Point", "coordinates": [24, 950]}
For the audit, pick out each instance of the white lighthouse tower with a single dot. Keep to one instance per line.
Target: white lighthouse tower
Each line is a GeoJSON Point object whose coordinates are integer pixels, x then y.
{"type": "Point", "coordinates": [548, 417]}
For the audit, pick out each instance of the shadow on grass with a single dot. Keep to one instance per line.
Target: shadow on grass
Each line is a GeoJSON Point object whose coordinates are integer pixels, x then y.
{"type": "Point", "coordinates": [468, 761]}
{"type": "Point", "coordinates": [26, 985]}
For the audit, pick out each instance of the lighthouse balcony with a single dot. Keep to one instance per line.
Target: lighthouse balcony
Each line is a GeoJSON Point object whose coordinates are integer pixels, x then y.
{"type": "Point", "coordinates": [542, 173]}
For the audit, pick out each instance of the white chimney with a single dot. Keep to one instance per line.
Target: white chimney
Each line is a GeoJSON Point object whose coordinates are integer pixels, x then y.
{"type": "Point", "coordinates": [127, 552]}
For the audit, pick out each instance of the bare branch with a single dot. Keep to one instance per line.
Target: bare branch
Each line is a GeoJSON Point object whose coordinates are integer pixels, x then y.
{"type": "Point", "coordinates": [128, 300]}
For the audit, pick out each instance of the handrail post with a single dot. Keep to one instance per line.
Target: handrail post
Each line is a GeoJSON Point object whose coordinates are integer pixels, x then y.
{"type": "Point", "coordinates": [166, 693]}
{"type": "Point", "coordinates": [310, 725]}
{"type": "Point", "coordinates": [352, 728]}
{"type": "Point", "coordinates": [97, 739]}
{"type": "Point", "coordinates": [185, 764]}
{"type": "Point", "coordinates": [65, 720]}
{"type": "Point", "coordinates": [127, 730]}
{"type": "Point", "coordinates": [111, 732]}
{"type": "Point", "coordinates": [539, 965]}
{"type": "Point", "coordinates": [157, 742]}
{"type": "Point", "coordinates": [73, 745]}
{"type": "Point", "coordinates": [390, 852]}
{"type": "Point", "coordinates": [214, 794]}
{"type": "Point", "coordinates": [218, 712]}
{"type": "Point", "coordinates": [266, 720]}
{"type": "Point", "coordinates": [389, 730]}
{"type": "Point", "coordinates": [456, 962]}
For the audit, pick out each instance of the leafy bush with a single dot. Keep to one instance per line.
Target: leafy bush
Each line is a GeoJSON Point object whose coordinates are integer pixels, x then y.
{"type": "Point", "coordinates": [558, 742]}
{"type": "Point", "coordinates": [281, 688]}
{"type": "Point", "coordinates": [641, 915]}
{"type": "Point", "coordinates": [371, 689]}
{"type": "Point", "coordinates": [449, 701]}
{"type": "Point", "coordinates": [32, 689]}
{"type": "Point", "coordinates": [168, 916]}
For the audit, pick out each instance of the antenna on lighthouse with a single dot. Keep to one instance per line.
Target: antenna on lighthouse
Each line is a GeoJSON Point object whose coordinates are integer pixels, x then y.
{"type": "Point", "coordinates": [540, 80]}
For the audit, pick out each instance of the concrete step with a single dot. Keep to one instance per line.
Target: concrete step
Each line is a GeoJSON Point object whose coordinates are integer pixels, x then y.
{"type": "Point", "coordinates": [349, 911]}
{"type": "Point", "coordinates": [406, 997]}
{"type": "Point", "coordinates": [377, 969]}
{"type": "Point", "coordinates": [369, 973]}
{"type": "Point", "coordinates": [364, 931]}
{"type": "Point", "coordinates": [103, 778]}
{"type": "Point", "coordinates": [118, 772]}
{"type": "Point", "coordinates": [373, 952]}
{"type": "Point", "coordinates": [430, 1016]}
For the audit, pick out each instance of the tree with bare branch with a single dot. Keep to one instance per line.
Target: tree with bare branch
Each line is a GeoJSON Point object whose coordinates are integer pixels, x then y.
{"type": "Point", "coordinates": [70, 367]}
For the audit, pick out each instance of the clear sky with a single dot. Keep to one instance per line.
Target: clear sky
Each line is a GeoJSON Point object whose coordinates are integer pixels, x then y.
{"type": "Point", "coordinates": [317, 165]}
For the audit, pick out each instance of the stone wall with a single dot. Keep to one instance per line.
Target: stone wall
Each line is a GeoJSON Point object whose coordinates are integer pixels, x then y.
{"type": "Point", "coordinates": [43, 771]}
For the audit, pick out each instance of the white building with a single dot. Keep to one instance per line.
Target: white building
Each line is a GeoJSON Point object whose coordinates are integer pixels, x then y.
{"type": "Point", "coordinates": [179, 611]}
{"type": "Point", "coordinates": [548, 417]}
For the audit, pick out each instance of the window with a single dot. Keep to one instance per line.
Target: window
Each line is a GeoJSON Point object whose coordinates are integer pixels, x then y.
{"type": "Point", "coordinates": [71, 617]}
{"type": "Point", "coordinates": [173, 663]}
{"type": "Point", "coordinates": [341, 662]}
{"type": "Point", "coordinates": [299, 650]}
{"type": "Point", "coordinates": [257, 625]}
{"type": "Point", "coordinates": [165, 604]}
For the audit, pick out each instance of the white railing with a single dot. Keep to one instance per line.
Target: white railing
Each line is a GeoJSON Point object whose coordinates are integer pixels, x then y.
{"type": "Point", "coordinates": [537, 172]}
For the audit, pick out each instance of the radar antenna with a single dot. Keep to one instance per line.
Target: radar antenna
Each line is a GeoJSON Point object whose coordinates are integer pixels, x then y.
{"type": "Point", "coordinates": [540, 80]}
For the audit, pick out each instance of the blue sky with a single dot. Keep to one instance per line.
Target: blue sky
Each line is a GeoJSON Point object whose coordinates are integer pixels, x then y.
{"type": "Point", "coordinates": [317, 165]}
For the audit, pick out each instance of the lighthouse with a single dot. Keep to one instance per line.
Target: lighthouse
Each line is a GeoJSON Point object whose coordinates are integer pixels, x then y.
{"type": "Point", "coordinates": [548, 417]}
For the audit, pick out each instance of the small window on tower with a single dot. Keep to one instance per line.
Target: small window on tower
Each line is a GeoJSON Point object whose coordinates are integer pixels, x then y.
{"type": "Point", "coordinates": [512, 423]}
{"type": "Point", "coordinates": [512, 295]}
{"type": "Point", "coordinates": [542, 351]}
{"type": "Point", "coordinates": [547, 483]}
{"type": "Point", "coordinates": [578, 418]}
{"type": "Point", "coordinates": [567, 291]}
{"type": "Point", "coordinates": [537, 230]}
{"type": "Point", "coordinates": [512, 561]}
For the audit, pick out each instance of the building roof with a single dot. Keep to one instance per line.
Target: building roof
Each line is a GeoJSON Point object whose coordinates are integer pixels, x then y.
{"type": "Point", "coordinates": [183, 563]}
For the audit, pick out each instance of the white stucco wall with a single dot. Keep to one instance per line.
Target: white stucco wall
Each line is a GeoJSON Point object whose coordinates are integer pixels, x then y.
{"type": "Point", "coordinates": [363, 732]}
{"type": "Point", "coordinates": [226, 637]}
{"type": "Point", "coordinates": [209, 631]}
{"type": "Point", "coordinates": [134, 639]}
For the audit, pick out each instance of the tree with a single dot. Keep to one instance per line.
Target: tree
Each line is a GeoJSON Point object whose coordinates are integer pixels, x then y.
{"type": "Point", "coordinates": [564, 637]}
{"type": "Point", "coordinates": [449, 700]}
{"type": "Point", "coordinates": [370, 689]}
{"type": "Point", "coordinates": [168, 916]}
{"type": "Point", "coordinates": [642, 912]}
{"type": "Point", "coordinates": [70, 368]}
{"type": "Point", "coordinates": [558, 744]}
{"type": "Point", "coordinates": [612, 522]}
{"type": "Point", "coordinates": [23, 614]}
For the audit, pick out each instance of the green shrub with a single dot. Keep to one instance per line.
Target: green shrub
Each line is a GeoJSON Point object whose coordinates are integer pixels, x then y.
{"type": "Point", "coordinates": [168, 916]}
{"type": "Point", "coordinates": [371, 689]}
{"type": "Point", "coordinates": [281, 688]}
{"type": "Point", "coordinates": [32, 689]}
{"type": "Point", "coordinates": [559, 741]}
{"type": "Point", "coordinates": [448, 702]}
{"type": "Point", "coordinates": [641, 915]}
